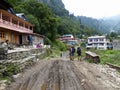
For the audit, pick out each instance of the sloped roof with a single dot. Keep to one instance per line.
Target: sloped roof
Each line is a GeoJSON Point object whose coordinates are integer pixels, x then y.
{"type": "Point", "coordinates": [21, 15]}
{"type": "Point", "coordinates": [6, 6]}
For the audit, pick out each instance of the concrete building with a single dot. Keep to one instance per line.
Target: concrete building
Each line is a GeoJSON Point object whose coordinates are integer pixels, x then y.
{"type": "Point", "coordinates": [98, 42]}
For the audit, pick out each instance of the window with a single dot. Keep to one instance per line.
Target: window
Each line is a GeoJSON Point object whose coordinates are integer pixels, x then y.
{"type": "Point", "coordinates": [2, 35]}
{"type": "Point", "coordinates": [101, 39]}
{"type": "Point", "coordinates": [95, 39]}
{"type": "Point", "coordinates": [90, 40]}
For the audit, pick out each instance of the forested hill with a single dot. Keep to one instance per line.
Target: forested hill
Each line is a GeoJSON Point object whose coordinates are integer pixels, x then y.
{"type": "Point", "coordinates": [57, 7]}
{"type": "Point", "coordinates": [50, 18]}
{"type": "Point", "coordinates": [94, 23]}
{"type": "Point", "coordinates": [105, 25]}
{"type": "Point", "coordinates": [68, 19]}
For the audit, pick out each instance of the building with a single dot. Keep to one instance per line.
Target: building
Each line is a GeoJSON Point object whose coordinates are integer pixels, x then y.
{"type": "Point", "coordinates": [13, 28]}
{"type": "Point", "coordinates": [72, 42]}
{"type": "Point", "coordinates": [116, 44]}
{"type": "Point", "coordinates": [68, 39]}
{"type": "Point", "coordinates": [37, 38]}
{"type": "Point", "coordinates": [98, 42]}
{"type": "Point", "coordinates": [22, 16]}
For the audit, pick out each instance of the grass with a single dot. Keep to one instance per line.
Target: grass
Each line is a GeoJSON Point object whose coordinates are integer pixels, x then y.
{"type": "Point", "coordinates": [110, 56]}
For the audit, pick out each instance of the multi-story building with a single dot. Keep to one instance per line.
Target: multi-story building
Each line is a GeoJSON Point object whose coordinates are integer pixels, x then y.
{"type": "Point", "coordinates": [13, 28]}
{"type": "Point", "coordinates": [98, 42]}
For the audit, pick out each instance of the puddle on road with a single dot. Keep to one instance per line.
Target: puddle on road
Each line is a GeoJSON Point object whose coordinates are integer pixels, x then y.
{"type": "Point", "coordinates": [44, 86]}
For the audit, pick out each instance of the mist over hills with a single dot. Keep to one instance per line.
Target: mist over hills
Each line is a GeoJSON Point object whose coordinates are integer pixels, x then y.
{"type": "Point", "coordinates": [94, 23]}
{"type": "Point", "coordinates": [104, 25]}
{"type": "Point", "coordinates": [113, 23]}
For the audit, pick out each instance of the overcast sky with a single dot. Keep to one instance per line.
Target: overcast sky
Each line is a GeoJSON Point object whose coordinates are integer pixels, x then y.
{"type": "Point", "coordinates": [93, 8]}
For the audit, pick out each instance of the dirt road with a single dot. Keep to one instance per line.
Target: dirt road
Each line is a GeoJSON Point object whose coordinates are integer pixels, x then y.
{"type": "Point", "coordinates": [62, 74]}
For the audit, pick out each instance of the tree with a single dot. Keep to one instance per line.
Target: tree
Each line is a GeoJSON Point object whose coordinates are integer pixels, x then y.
{"type": "Point", "coordinates": [35, 22]}
{"type": "Point", "coordinates": [44, 21]}
{"type": "Point", "coordinates": [113, 34]}
{"type": "Point", "coordinates": [51, 18]}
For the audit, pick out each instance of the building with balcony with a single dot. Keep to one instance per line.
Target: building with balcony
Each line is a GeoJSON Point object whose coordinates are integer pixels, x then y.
{"type": "Point", "coordinates": [12, 27]}
{"type": "Point", "coordinates": [68, 39]}
{"type": "Point", "coordinates": [98, 42]}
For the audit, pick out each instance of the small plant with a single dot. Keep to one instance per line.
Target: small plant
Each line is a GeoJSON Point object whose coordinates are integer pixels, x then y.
{"type": "Point", "coordinates": [8, 70]}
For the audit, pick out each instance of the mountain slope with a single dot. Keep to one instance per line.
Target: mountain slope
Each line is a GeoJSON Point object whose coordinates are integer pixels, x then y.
{"type": "Point", "coordinates": [94, 23]}
{"type": "Point", "coordinates": [57, 6]}
{"type": "Point", "coordinates": [68, 22]}
{"type": "Point", "coordinates": [113, 23]}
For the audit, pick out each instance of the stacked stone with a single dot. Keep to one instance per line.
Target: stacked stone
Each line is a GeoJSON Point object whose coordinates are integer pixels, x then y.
{"type": "Point", "coordinates": [3, 54]}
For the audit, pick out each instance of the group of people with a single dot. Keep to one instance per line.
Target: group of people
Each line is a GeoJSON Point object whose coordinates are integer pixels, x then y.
{"type": "Point", "coordinates": [72, 52]}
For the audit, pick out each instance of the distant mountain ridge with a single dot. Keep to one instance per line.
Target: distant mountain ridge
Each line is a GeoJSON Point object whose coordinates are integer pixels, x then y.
{"type": "Point", "coordinates": [94, 23]}
{"type": "Point", "coordinates": [105, 25]}
{"type": "Point", "coordinates": [113, 23]}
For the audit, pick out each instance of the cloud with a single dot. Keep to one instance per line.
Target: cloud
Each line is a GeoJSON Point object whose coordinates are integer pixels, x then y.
{"type": "Point", "coordinates": [93, 8]}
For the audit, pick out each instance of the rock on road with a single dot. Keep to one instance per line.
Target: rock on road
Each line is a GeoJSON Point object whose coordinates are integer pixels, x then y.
{"type": "Point", "coordinates": [62, 74]}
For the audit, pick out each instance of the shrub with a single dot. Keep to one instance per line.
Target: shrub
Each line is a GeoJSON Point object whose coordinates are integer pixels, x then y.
{"type": "Point", "coordinates": [10, 69]}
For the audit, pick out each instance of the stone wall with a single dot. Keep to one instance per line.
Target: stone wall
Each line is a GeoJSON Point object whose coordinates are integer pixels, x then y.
{"type": "Point", "coordinates": [24, 56]}
{"type": "Point", "coordinates": [21, 60]}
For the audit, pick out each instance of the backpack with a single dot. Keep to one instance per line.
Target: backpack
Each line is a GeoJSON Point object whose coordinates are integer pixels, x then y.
{"type": "Point", "coordinates": [78, 50]}
{"type": "Point", "coordinates": [73, 50]}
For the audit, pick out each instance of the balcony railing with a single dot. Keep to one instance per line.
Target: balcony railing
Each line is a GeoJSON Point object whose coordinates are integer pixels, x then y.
{"type": "Point", "coordinates": [14, 23]}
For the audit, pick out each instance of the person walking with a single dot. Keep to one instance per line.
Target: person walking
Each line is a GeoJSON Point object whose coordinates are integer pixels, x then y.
{"type": "Point", "coordinates": [71, 52]}
{"type": "Point", "coordinates": [79, 53]}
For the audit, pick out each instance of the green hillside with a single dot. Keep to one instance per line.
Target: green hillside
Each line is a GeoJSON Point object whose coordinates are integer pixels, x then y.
{"type": "Point", "coordinates": [50, 18]}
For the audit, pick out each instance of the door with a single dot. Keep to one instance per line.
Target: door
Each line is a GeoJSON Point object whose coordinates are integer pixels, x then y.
{"type": "Point", "coordinates": [20, 39]}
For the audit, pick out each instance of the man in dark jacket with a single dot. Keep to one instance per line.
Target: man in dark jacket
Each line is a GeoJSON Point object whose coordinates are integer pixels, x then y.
{"type": "Point", "coordinates": [79, 53]}
{"type": "Point", "coordinates": [71, 52]}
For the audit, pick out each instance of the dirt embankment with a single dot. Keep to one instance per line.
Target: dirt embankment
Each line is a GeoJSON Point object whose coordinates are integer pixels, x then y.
{"type": "Point", "coordinates": [62, 74]}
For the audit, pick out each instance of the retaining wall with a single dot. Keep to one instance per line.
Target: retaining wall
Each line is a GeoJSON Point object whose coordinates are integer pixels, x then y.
{"type": "Point", "coordinates": [24, 57]}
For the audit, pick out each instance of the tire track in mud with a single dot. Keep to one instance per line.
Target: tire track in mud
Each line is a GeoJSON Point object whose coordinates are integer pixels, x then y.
{"type": "Point", "coordinates": [31, 77]}
{"type": "Point", "coordinates": [53, 75]}
{"type": "Point", "coordinates": [86, 84]}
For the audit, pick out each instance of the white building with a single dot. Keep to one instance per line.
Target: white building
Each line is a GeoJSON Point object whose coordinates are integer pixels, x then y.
{"type": "Point", "coordinates": [67, 37]}
{"type": "Point", "coordinates": [98, 42]}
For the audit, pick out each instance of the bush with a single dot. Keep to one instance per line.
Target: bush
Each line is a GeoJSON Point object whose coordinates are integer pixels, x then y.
{"type": "Point", "coordinates": [10, 69]}
{"type": "Point", "coordinates": [60, 45]}
{"type": "Point", "coordinates": [83, 45]}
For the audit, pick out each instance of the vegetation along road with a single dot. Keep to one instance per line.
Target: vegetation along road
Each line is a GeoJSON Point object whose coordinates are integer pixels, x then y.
{"type": "Point", "coordinates": [62, 74]}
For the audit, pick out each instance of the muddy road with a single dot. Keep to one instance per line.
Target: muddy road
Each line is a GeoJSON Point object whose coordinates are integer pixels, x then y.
{"type": "Point", "coordinates": [62, 74]}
